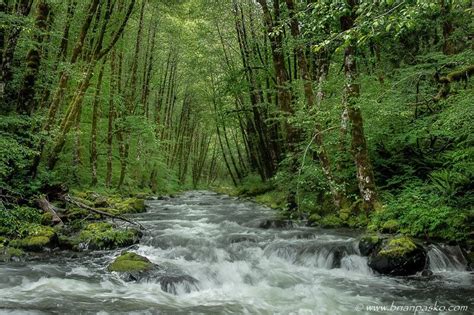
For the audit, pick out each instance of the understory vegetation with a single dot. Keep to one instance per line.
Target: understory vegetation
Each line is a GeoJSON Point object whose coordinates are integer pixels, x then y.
{"type": "Point", "coordinates": [346, 113]}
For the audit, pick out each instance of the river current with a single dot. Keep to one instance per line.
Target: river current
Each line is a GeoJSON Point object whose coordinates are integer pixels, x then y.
{"type": "Point", "coordinates": [242, 264]}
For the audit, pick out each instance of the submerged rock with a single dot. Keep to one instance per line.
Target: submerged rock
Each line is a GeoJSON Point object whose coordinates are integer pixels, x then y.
{"type": "Point", "coordinates": [276, 224]}
{"type": "Point", "coordinates": [399, 256]}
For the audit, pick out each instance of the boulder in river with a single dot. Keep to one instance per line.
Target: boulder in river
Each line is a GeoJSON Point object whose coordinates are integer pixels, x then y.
{"type": "Point", "coordinates": [133, 267]}
{"type": "Point", "coordinates": [369, 243]}
{"type": "Point", "coordinates": [275, 224]}
{"type": "Point", "coordinates": [130, 262]}
{"type": "Point", "coordinates": [398, 256]}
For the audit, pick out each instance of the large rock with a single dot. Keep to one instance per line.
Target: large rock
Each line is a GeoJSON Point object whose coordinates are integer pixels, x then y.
{"type": "Point", "coordinates": [133, 267]}
{"type": "Point", "coordinates": [130, 262]}
{"type": "Point", "coordinates": [39, 238]}
{"type": "Point", "coordinates": [399, 256]}
{"type": "Point", "coordinates": [368, 244]}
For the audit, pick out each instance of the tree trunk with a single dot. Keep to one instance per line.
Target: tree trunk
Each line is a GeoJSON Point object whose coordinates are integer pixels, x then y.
{"type": "Point", "coordinates": [323, 156]}
{"type": "Point", "coordinates": [95, 119]}
{"type": "Point", "coordinates": [365, 175]}
{"type": "Point", "coordinates": [26, 97]}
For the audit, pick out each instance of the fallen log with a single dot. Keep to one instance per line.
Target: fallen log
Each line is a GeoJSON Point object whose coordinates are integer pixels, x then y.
{"type": "Point", "coordinates": [81, 205]}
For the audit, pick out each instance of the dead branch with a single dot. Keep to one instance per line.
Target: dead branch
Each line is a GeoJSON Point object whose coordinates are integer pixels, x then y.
{"type": "Point", "coordinates": [79, 204]}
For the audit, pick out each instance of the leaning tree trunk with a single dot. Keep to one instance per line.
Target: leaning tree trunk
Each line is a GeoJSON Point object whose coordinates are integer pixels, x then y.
{"type": "Point", "coordinates": [365, 175]}
{"type": "Point", "coordinates": [311, 99]}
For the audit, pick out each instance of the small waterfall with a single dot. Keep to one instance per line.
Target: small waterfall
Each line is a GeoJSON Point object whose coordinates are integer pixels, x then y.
{"type": "Point", "coordinates": [356, 263]}
{"type": "Point", "coordinates": [446, 258]}
{"type": "Point", "coordinates": [314, 253]}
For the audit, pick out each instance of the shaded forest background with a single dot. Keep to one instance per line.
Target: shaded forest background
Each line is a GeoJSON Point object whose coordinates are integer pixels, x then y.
{"type": "Point", "coordinates": [344, 113]}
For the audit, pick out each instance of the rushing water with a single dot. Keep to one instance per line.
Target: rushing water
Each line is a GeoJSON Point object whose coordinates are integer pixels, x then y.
{"type": "Point", "coordinates": [240, 268]}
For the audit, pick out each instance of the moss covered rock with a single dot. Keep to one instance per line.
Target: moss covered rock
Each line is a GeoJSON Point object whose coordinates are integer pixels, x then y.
{"type": "Point", "coordinates": [130, 262]}
{"type": "Point", "coordinates": [8, 254]}
{"type": "Point", "coordinates": [39, 237]}
{"type": "Point", "coordinates": [331, 222]}
{"type": "Point", "coordinates": [390, 226]}
{"type": "Point", "coordinates": [399, 256]}
{"type": "Point", "coordinates": [103, 235]}
{"type": "Point", "coordinates": [112, 203]}
{"type": "Point", "coordinates": [369, 243]}
{"type": "Point", "coordinates": [131, 205]}
{"type": "Point", "coordinates": [133, 267]}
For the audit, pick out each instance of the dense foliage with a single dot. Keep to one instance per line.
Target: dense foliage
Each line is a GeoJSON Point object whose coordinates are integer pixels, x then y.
{"type": "Point", "coordinates": [345, 113]}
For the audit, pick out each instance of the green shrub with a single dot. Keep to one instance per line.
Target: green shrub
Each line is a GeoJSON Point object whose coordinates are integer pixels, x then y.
{"type": "Point", "coordinates": [420, 213]}
{"type": "Point", "coordinates": [16, 222]}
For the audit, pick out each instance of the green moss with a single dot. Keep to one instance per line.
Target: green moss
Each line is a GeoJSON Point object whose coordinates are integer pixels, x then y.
{"type": "Point", "coordinates": [3, 241]}
{"type": "Point", "coordinates": [102, 235]}
{"type": "Point", "coordinates": [359, 221]}
{"type": "Point", "coordinates": [46, 218]}
{"type": "Point", "coordinates": [398, 247]}
{"type": "Point", "coordinates": [371, 239]}
{"type": "Point", "coordinates": [123, 206]}
{"type": "Point", "coordinates": [345, 213]}
{"type": "Point", "coordinates": [314, 218]}
{"type": "Point", "coordinates": [372, 227]}
{"type": "Point", "coordinates": [128, 262]}
{"type": "Point", "coordinates": [14, 252]}
{"type": "Point", "coordinates": [390, 226]}
{"type": "Point", "coordinates": [8, 253]}
{"type": "Point", "coordinates": [331, 221]}
{"type": "Point", "coordinates": [39, 237]}
{"type": "Point", "coordinates": [272, 199]}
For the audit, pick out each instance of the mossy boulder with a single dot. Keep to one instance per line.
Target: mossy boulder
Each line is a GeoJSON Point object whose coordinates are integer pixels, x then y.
{"type": "Point", "coordinates": [331, 222]}
{"type": "Point", "coordinates": [369, 243]}
{"type": "Point", "coordinates": [39, 238]}
{"type": "Point", "coordinates": [112, 203]}
{"type": "Point", "coordinates": [399, 256]}
{"type": "Point", "coordinates": [130, 262]}
{"type": "Point", "coordinates": [131, 205]}
{"type": "Point", "coordinates": [8, 254]}
{"type": "Point", "coordinates": [133, 267]}
{"type": "Point", "coordinates": [117, 205]}
{"type": "Point", "coordinates": [103, 235]}
{"type": "Point", "coordinates": [273, 199]}
{"type": "Point", "coordinates": [390, 226]}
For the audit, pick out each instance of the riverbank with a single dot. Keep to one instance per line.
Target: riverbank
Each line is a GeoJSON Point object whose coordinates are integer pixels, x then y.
{"type": "Point", "coordinates": [207, 253]}
{"type": "Point", "coordinates": [382, 224]}
{"type": "Point", "coordinates": [76, 221]}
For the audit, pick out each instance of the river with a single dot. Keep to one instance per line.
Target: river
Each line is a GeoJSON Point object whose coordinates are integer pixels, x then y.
{"type": "Point", "coordinates": [240, 268]}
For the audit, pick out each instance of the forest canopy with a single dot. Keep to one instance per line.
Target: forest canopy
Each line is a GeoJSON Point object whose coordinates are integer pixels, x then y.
{"type": "Point", "coordinates": [343, 113]}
